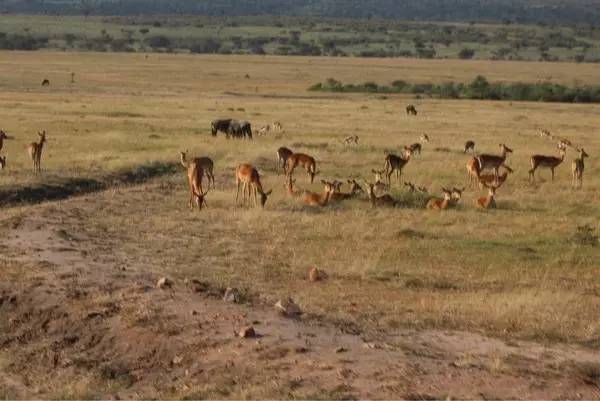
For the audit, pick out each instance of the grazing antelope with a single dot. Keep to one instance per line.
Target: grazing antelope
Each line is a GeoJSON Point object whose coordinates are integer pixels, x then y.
{"type": "Point", "coordinates": [563, 143]}
{"type": "Point", "coordinates": [550, 162]}
{"type": "Point", "coordinates": [383, 200]}
{"type": "Point", "coordinates": [440, 204]}
{"type": "Point", "coordinates": [414, 148]}
{"type": "Point", "coordinates": [545, 134]}
{"type": "Point", "coordinates": [410, 109]}
{"type": "Point", "coordinates": [577, 168]}
{"type": "Point", "coordinates": [247, 176]}
{"type": "Point", "coordinates": [35, 152]}
{"type": "Point", "coordinates": [493, 161]}
{"type": "Point", "coordinates": [276, 126]}
{"type": "Point", "coordinates": [264, 130]}
{"type": "Point", "coordinates": [206, 164]}
{"type": "Point", "coordinates": [396, 163]}
{"type": "Point", "coordinates": [195, 173]}
{"type": "Point", "coordinates": [349, 140]}
{"type": "Point", "coordinates": [424, 138]}
{"type": "Point", "coordinates": [337, 195]}
{"type": "Point", "coordinates": [469, 146]}
{"type": "Point", "coordinates": [489, 179]}
{"type": "Point", "coordinates": [45, 82]}
{"type": "Point", "coordinates": [305, 161]}
{"type": "Point", "coordinates": [315, 199]}
{"type": "Point", "coordinates": [488, 202]}
{"type": "Point", "coordinates": [473, 171]}
{"type": "Point", "coordinates": [283, 154]}
{"type": "Point", "coordinates": [379, 185]}
{"type": "Point", "coordinates": [2, 162]}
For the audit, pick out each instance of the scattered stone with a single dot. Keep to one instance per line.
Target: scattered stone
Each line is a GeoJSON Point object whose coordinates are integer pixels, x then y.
{"type": "Point", "coordinates": [177, 360]}
{"type": "Point", "coordinates": [164, 282]}
{"type": "Point", "coordinates": [288, 308]}
{"type": "Point", "coordinates": [339, 350]}
{"type": "Point", "coordinates": [247, 332]}
{"type": "Point", "coordinates": [194, 312]}
{"type": "Point", "coordinates": [301, 350]}
{"type": "Point", "coordinates": [231, 295]}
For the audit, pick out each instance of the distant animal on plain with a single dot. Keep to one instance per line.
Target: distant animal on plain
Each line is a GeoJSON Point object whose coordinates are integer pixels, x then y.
{"type": "Point", "coordinates": [396, 163]}
{"type": "Point", "coordinates": [35, 152]}
{"type": "Point", "coordinates": [424, 138]}
{"type": "Point", "coordinates": [415, 148]}
{"type": "Point", "coordinates": [45, 82]}
{"type": "Point", "coordinates": [247, 179]}
{"type": "Point", "coordinates": [221, 125]}
{"type": "Point", "coordinates": [195, 172]}
{"type": "Point", "coordinates": [550, 162]}
{"type": "Point", "coordinates": [349, 140]}
{"type": "Point", "coordinates": [378, 201]}
{"type": "Point", "coordinates": [489, 201]}
{"type": "Point", "coordinates": [469, 146]}
{"type": "Point", "coordinates": [577, 168]}
{"type": "Point", "coordinates": [491, 179]}
{"type": "Point", "coordinates": [283, 154]}
{"type": "Point", "coordinates": [411, 110]}
{"type": "Point", "coordinates": [440, 204]}
{"type": "Point", "coordinates": [493, 162]}
{"type": "Point", "coordinates": [306, 161]}
{"type": "Point", "coordinates": [315, 199]}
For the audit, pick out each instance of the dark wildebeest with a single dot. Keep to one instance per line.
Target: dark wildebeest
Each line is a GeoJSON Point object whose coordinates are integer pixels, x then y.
{"type": "Point", "coordinates": [469, 145]}
{"type": "Point", "coordinates": [45, 82]}
{"type": "Point", "coordinates": [235, 129]}
{"type": "Point", "coordinates": [246, 129]}
{"type": "Point", "coordinates": [282, 155]}
{"type": "Point", "coordinates": [220, 126]}
{"type": "Point", "coordinates": [410, 109]}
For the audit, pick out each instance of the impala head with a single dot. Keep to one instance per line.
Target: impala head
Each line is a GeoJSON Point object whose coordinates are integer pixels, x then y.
{"type": "Point", "coordinates": [42, 135]}
{"type": "Point", "coordinates": [424, 138]}
{"type": "Point", "coordinates": [505, 149]}
{"type": "Point", "coordinates": [3, 135]}
{"type": "Point", "coordinates": [2, 162]}
{"type": "Point", "coordinates": [213, 129]}
{"type": "Point", "coordinates": [355, 187]}
{"type": "Point", "coordinates": [329, 186]}
{"type": "Point", "coordinates": [337, 186]}
{"type": "Point", "coordinates": [410, 185]}
{"type": "Point", "coordinates": [457, 193]}
{"type": "Point", "coordinates": [447, 194]}
{"type": "Point", "coordinates": [582, 153]}
{"type": "Point", "coordinates": [407, 152]}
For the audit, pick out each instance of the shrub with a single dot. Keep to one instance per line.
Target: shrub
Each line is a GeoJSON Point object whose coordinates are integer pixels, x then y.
{"type": "Point", "coordinates": [466, 53]}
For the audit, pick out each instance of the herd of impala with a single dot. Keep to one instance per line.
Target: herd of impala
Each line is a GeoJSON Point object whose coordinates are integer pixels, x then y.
{"type": "Point", "coordinates": [248, 180]}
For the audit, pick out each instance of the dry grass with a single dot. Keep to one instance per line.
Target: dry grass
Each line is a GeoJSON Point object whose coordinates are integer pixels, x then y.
{"type": "Point", "coordinates": [511, 272]}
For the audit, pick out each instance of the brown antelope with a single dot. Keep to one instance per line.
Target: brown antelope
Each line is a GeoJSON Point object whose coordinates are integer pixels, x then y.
{"type": "Point", "coordinates": [379, 185]}
{"type": "Point", "coordinates": [414, 148]}
{"type": "Point", "coordinates": [473, 171]}
{"type": "Point", "coordinates": [195, 173]}
{"type": "Point", "coordinates": [545, 133]}
{"type": "Point", "coordinates": [488, 202]}
{"type": "Point", "coordinates": [247, 176]}
{"type": "Point", "coordinates": [2, 162]}
{"type": "Point", "coordinates": [289, 187]}
{"type": "Point", "coordinates": [206, 164]}
{"type": "Point", "coordinates": [283, 154]}
{"type": "Point", "coordinates": [410, 109]}
{"type": "Point", "coordinates": [577, 168]}
{"type": "Point", "coordinates": [3, 136]}
{"type": "Point", "coordinates": [35, 152]}
{"type": "Point", "coordinates": [489, 179]}
{"type": "Point", "coordinates": [337, 195]}
{"type": "Point", "coordinates": [550, 162]}
{"type": "Point", "coordinates": [563, 143]}
{"type": "Point", "coordinates": [276, 126]}
{"type": "Point", "coordinates": [469, 146]}
{"type": "Point", "coordinates": [315, 199]}
{"type": "Point", "coordinates": [456, 195]}
{"type": "Point", "coordinates": [424, 138]}
{"type": "Point", "coordinates": [440, 204]}
{"type": "Point", "coordinates": [305, 161]}
{"type": "Point", "coordinates": [493, 162]}
{"type": "Point", "coordinates": [396, 163]}
{"type": "Point", "coordinates": [264, 130]}
{"type": "Point", "coordinates": [376, 201]}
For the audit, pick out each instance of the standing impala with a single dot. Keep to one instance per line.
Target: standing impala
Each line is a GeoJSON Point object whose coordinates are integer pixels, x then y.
{"type": "Point", "coordinates": [195, 173]}
{"type": "Point", "coordinates": [396, 163]}
{"type": "Point", "coordinates": [35, 152]}
{"type": "Point", "coordinates": [283, 154]}
{"type": "Point", "coordinates": [305, 161]}
{"type": "Point", "coordinates": [493, 162]}
{"type": "Point", "coordinates": [550, 162]}
{"type": "Point", "coordinates": [247, 176]}
{"type": "Point", "coordinates": [3, 136]}
{"type": "Point", "coordinates": [577, 168]}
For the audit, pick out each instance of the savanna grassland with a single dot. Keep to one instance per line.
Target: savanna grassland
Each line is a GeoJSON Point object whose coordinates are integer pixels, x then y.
{"type": "Point", "coordinates": [429, 285]}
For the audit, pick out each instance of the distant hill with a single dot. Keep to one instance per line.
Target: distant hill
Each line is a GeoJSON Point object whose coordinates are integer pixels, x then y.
{"type": "Point", "coordinates": [520, 11]}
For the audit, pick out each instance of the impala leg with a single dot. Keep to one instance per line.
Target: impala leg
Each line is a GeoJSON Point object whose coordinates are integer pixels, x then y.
{"type": "Point", "coordinates": [237, 193]}
{"type": "Point", "coordinates": [552, 170]}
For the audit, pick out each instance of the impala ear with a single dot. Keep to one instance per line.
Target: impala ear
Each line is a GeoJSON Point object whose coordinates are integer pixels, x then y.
{"type": "Point", "coordinates": [269, 192]}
